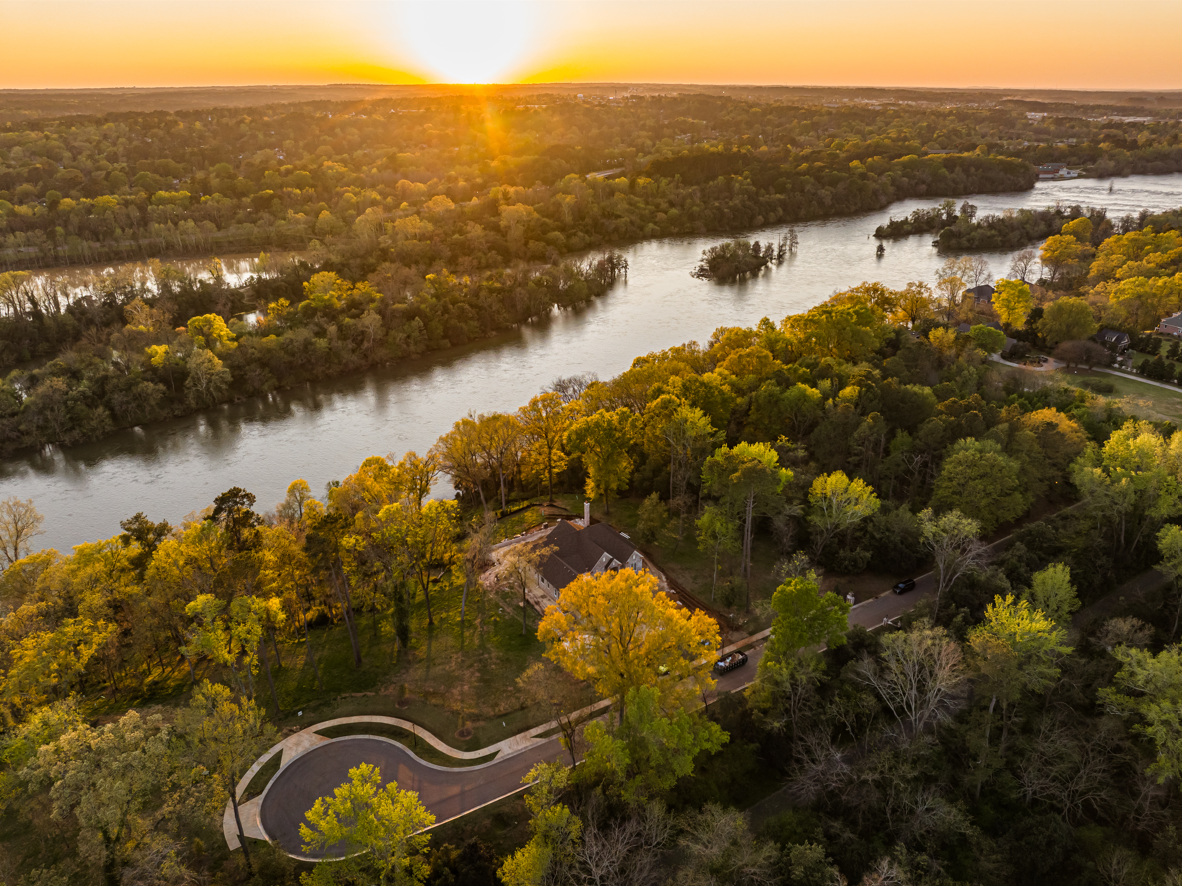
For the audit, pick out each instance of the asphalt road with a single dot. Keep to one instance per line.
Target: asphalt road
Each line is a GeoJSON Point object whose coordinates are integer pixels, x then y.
{"type": "Point", "coordinates": [447, 792]}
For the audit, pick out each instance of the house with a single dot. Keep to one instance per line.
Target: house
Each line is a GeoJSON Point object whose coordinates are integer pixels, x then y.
{"type": "Point", "coordinates": [967, 327]}
{"type": "Point", "coordinates": [589, 550]}
{"type": "Point", "coordinates": [1049, 170]}
{"type": "Point", "coordinates": [1115, 341]}
{"type": "Point", "coordinates": [982, 295]}
{"type": "Point", "coordinates": [1172, 325]}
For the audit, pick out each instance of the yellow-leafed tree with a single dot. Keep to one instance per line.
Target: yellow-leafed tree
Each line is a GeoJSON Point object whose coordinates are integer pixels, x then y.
{"type": "Point", "coordinates": [621, 632]}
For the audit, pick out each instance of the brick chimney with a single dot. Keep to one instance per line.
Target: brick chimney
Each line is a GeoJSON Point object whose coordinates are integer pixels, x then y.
{"type": "Point", "coordinates": [586, 514]}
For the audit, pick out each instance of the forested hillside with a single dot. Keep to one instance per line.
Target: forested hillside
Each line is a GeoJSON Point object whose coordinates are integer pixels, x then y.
{"type": "Point", "coordinates": [1034, 748]}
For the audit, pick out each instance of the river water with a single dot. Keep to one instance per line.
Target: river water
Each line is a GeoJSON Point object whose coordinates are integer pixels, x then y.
{"type": "Point", "coordinates": [322, 432]}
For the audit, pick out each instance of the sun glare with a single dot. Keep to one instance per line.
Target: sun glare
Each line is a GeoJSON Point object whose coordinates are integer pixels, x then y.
{"type": "Point", "coordinates": [469, 41]}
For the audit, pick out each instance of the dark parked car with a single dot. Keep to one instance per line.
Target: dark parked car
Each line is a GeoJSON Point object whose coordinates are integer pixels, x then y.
{"type": "Point", "coordinates": [729, 662]}
{"type": "Point", "coordinates": [907, 584]}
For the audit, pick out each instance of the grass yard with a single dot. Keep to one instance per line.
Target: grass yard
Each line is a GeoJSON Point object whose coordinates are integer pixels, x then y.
{"type": "Point", "coordinates": [262, 778]}
{"type": "Point", "coordinates": [1133, 396]}
{"type": "Point", "coordinates": [1140, 357]}
{"type": "Point", "coordinates": [449, 678]}
{"type": "Point", "coordinates": [515, 524]}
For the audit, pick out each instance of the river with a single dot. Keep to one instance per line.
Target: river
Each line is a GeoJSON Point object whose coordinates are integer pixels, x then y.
{"type": "Point", "coordinates": [322, 432]}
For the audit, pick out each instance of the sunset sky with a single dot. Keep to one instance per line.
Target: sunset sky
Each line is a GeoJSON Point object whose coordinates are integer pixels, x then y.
{"type": "Point", "coordinates": [1130, 44]}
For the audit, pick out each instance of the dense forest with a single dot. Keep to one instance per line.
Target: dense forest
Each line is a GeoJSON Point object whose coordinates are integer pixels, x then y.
{"type": "Point", "coordinates": [130, 185]}
{"type": "Point", "coordinates": [992, 737]}
{"type": "Point", "coordinates": [126, 358]}
{"type": "Point", "coordinates": [1019, 725]}
{"type": "Point", "coordinates": [443, 220]}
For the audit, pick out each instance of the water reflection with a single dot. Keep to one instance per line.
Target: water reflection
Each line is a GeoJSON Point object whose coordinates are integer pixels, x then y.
{"type": "Point", "coordinates": [323, 431]}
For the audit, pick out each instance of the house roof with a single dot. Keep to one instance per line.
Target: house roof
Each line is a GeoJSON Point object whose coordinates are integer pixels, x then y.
{"type": "Point", "coordinates": [1113, 335]}
{"type": "Point", "coordinates": [1175, 320]}
{"type": "Point", "coordinates": [576, 551]}
{"type": "Point", "coordinates": [982, 292]}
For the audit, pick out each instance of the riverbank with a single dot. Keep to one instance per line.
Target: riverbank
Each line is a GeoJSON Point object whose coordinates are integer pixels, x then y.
{"type": "Point", "coordinates": [321, 431]}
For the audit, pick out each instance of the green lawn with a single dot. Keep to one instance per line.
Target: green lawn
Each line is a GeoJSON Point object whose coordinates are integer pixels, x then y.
{"type": "Point", "coordinates": [1133, 396]}
{"type": "Point", "coordinates": [1140, 357]}
{"type": "Point", "coordinates": [260, 780]}
{"type": "Point", "coordinates": [449, 678]}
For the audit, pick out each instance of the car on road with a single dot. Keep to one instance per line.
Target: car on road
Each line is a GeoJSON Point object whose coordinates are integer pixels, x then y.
{"type": "Point", "coordinates": [902, 587]}
{"type": "Point", "coordinates": [729, 662]}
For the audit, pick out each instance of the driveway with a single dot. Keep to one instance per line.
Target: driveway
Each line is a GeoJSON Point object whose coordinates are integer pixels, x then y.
{"type": "Point", "coordinates": [446, 792]}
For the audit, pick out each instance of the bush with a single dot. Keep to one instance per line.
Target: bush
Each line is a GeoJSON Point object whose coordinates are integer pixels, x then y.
{"type": "Point", "coordinates": [652, 519]}
{"type": "Point", "coordinates": [849, 562]}
{"type": "Point", "coordinates": [1098, 385]}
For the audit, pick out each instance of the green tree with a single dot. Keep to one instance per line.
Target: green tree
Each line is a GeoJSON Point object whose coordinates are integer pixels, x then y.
{"type": "Point", "coordinates": [805, 619]}
{"type": "Point", "coordinates": [838, 504]}
{"type": "Point", "coordinates": [691, 438]}
{"type": "Point", "coordinates": [1169, 545]}
{"type": "Point", "coordinates": [982, 482]}
{"type": "Point", "coordinates": [717, 534]}
{"type": "Point", "coordinates": [362, 816]}
{"type": "Point", "coordinates": [1130, 483]}
{"type": "Point", "coordinates": [556, 832]}
{"type": "Point", "coordinates": [652, 518]}
{"type": "Point", "coordinates": [219, 738]}
{"type": "Point", "coordinates": [545, 421]}
{"type": "Point", "coordinates": [104, 777]}
{"type": "Point", "coordinates": [1067, 319]}
{"type": "Point", "coordinates": [1149, 688]}
{"type": "Point", "coordinates": [602, 440]}
{"type": "Point", "coordinates": [423, 541]}
{"type": "Point", "coordinates": [651, 749]}
{"type": "Point", "coordinates": [988, 339]}
{"type": "Point", "coordinates": [208, 378]}
{"type": "Point", "coordinates": [1012, 301]}
{"type": "Point", "coordinates": [1016, 650]}
{"type": "Point", "coordinates": [1052, 592]}
{"type": "Point", "coordinates": [747, 480]}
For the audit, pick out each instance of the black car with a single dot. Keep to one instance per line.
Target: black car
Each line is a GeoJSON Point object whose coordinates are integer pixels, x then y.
{"type": "Point", "coordinates": [729, 662]}
{"type": "Point", "coordinates": [907, 584]}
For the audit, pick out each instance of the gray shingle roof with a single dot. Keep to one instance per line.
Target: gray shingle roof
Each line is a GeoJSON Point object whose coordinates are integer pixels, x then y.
{"type": "Point", "coordinates": [576, 551]}
{"type": "Point", "coordinates": [984, 292]}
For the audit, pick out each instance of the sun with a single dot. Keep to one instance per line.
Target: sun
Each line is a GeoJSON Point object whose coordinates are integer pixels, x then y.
{"type": "Point", "coordinates": [468, 41]}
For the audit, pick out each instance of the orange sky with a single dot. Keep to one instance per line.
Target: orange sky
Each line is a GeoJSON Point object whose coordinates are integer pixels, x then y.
{"type": "Point", "coordinates": [1118, 44]}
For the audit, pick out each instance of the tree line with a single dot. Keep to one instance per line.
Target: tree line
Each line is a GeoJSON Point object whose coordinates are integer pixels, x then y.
{"type": "Point", "coordinates": [846, 435]}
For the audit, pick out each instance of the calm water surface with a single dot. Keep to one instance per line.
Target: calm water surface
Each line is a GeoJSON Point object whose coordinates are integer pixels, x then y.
{"type": "Point", "coordinates": [323, 431]}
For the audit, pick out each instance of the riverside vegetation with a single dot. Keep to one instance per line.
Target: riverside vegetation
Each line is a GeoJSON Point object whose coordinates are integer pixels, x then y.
{"type": "Point", "coordinates": [1018, 728]}
{"type": "Point", "coordinates": [443, 219]}
{"type": "Point", "coordinates": [991, 738]}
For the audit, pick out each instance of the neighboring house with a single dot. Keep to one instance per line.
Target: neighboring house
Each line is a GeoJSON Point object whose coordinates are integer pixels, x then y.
{"type": "Point", "coordinates": [585, 551]}
{"type": "Point", "coordinates": [1050, 170]}
{"type": "Point", "coordinates": [1117, 342]}
{"type": "Point", "coordinates": [982, 295]}
{"type": "Point", "coordinates": [967, 327]}
{"type": "Point", "coordinates": [1172, 325]}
